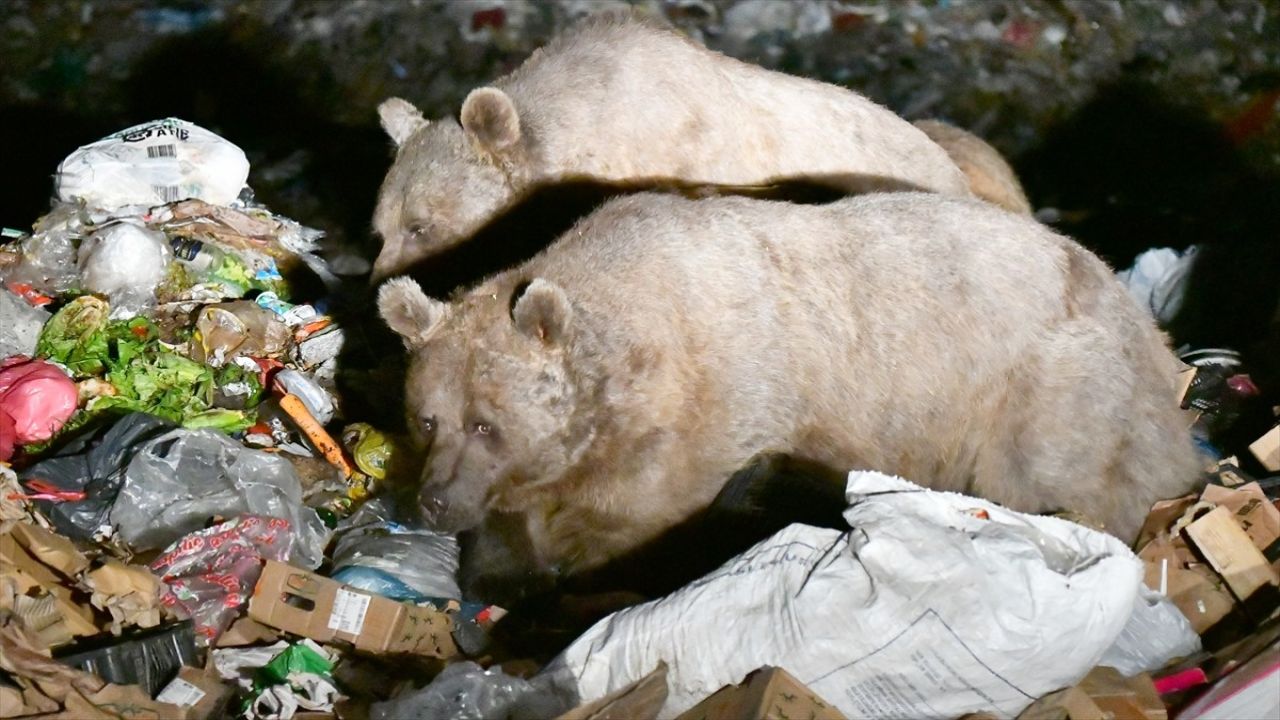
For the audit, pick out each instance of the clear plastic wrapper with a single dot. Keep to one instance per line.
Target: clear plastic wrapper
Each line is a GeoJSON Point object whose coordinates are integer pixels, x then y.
{"type": "Point", "coordinates": [376, 553]}
{"type": "Point", "coordinates": [1156, 633]}
{"type": "Point", "coordinates": [179, 480]}
{"type": "Point", "coordinates": [20, 325]}
{"type": "Point", "coordinates": [47, 263]}
{"type": "Point", "coordinates": [125, 262]}
{"type": "Point", "coordinates": [466, 691]}
{"type": "Point", "coordinates": [318, 400]}
{"type": "Point", "coordinates": [209, 575]}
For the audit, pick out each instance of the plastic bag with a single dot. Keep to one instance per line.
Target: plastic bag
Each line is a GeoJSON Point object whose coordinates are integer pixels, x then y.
{"type": "Point", "coordinates": [47, 263]}
{"type": "Point", "coordinates": [466, 691]}
{"type": "Point", "coordinates": [934, 605]}
{"type": "Point", "coordinates": [318, 401]}
{"type": "Point", "coordinates": [1156, 633]}
{"type": "Point", "coordinates": [153, 164]}
{"type": "Point", "coordinates": [208, 575]}
{"type": "Point", "coordinates": [125, 262]}
{"type": "Point", "coordinates": [375, 553]}
{"type": "Point", "coordinates": [36, 398]}
{"type": "Point", "coordinates": [20, 325]}
{"type": "Point", "coordinates": [1157, 280]}
{"type": "Point", "coordinates": [98, 472]}
{"type": "Point", "coordinates": [181, 479]}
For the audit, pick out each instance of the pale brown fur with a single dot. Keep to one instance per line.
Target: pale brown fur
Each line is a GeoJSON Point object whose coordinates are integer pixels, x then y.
{"type": "Point", "coordinates": [605, 391]}
{"type": "Point", "coordinates": [989, 174]}
{"type": "Point", "coordinates": [620, 100]}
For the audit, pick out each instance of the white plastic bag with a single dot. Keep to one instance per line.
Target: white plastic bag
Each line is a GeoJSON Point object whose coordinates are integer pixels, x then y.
{"type": "Point", "coordinates": [933, 606]}
{"type": "Point", "coordinates": [152, 164]}
{"type": "Point", "coordinates": [125, 262]}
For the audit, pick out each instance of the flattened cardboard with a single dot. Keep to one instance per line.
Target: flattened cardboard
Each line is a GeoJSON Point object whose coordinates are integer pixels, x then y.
{"type": "Point", "coordinates": [316, 607]}
{"type": "Point", "coordinates": [1070, 704]}
{"type": "Point", "coordinates": [1193, 587]}
{"type": "Point", "coordinates": [1230, 551]}
{"type": "Point", "coordinates": [28, 573]}
{"type": "Point", "coordinates": [51, 549]}
{"type": "Point", "coordinates": [1267, 449]}
{"type": "Point", "coordinates": [641, 700]}
{"type": "Point", "coordinates": [769, 693]}
{"type": "Point", "coordinates": [214, 701]}
{"type": "Point", "coordinates": [1255, 513]}
{"type": "Point", "coordinates": [1122, 697]}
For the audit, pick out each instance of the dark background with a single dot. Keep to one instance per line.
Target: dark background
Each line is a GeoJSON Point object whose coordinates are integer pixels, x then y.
{"type": "Point", "coordinates": [1144, 123]}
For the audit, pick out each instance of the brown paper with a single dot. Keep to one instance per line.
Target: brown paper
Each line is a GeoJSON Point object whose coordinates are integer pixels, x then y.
{"type": "Point", "coordinates": [1231, 553]}
{"type": "Point", "coordinates": [51, 549]}
{"type": "Point", "coordinates": [1123, 697]}
{"type": "Point", "coordinates": [1070, 704]}
{"type": "Point", "coordinates": [131, 593]}
{"type": "Point", "coordinates": [22, 657]}
{"type": "Point", "coordinates": [22, 574]}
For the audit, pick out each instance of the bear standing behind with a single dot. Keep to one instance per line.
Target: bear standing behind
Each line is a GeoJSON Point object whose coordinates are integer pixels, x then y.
{"type": "Point", "coordinates": [579, 406]}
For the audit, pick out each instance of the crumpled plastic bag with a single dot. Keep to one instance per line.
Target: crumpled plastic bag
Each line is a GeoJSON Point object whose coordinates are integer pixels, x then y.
{"type": "Point", "coordinates": [934, 605]}
{"type": "Point", "coordinates": [20, 325]}
{"type": "Point", "coordinates": [125, 262]}
{"type": "Point", "coordinates": [1156, 633]}
{"type": "Point", "coordinates": [378, 554]}
{"type": "Point", "coordinates": [466, 691]}
{"type": "Point", "coordinates": [98, 472]}
{"type": "Point", "coordinates": [181, 479]}
{"type": "Point", "coordinates": [152, 164]}
{"type": "Point", "coordinates": [208, 575]}
{"type": "Point", "coordinates": [1157, 280]}
{"type": "Point", "coordinates": [36, 399]}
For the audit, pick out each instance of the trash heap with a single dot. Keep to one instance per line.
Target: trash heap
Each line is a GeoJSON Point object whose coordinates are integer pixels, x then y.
{"type": "Point", "coordinates": [188, 530]}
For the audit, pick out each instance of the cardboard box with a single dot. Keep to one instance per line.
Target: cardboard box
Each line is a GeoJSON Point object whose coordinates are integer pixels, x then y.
{"type": "Point", "coordinates": [1267, 449]}
{"type": "Point", "coordinates": [1171, 569]}
{"type": "Point", "coordinates": [1123, 697]}
{"type": "Point", "coordinates": [1070, 704]}
{"type": "Point", "coordinates": [307, 604]}
{"type": "Point", "coordinates": [201, 694]}
{"type": "Point", "coordinates": [769, 693]}
{"type": "Point", "coordinates": [641, 700]}
{"type": "Point", "coordinates": [1229, 550]}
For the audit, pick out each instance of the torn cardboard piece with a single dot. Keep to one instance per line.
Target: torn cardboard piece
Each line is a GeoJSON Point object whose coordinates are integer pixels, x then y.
{"type": "Point", "coordinates": [769, 693]}
{"type": "Point", "coordinates": [22, 574]}
{"type": "Point", "coordinates": [1267, 449]}
{"type": "Point", "coordinates": [129, 592]}
{"type": "Point", "coordinates": [51, 549]}
{"type": "Point", "coordinates": [323, 610]}
{"type": "Point", "coordinates": [641, 700]}
{"type": "Point", "coordinates": [200, 693]}
{"type": "Point", "coordinates": [1170, 568]}
{"type": "Point", "coordinates": [1231, 552]}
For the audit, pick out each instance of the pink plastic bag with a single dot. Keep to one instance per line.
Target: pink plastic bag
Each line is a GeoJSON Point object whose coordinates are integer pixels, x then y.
{"type": "Point", "coordinates": [36, 399]}
{"type": "Point", "coordinates": [209, 574]}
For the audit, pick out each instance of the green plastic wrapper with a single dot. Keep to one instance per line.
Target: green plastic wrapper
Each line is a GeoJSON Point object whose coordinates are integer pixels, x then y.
{"type": "Point", "coordinates": [293, 659]}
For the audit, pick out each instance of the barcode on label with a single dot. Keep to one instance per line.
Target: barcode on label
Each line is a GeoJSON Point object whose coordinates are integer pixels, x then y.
{"type": "Point", "coordinates": [162, 151]}
{"type": "Point", "coordinates": [180, 693]}
{"type": "Point", "coordinates": [348, 612]}
{"type": "Point", "coordinates": [167, 193]}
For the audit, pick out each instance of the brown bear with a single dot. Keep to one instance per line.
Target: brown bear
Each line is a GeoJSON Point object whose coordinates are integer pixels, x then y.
{"type": "Point", "coordinates": [989, 174]}
{"type": "Point", "coordinates": [576, 407]}
{"type": "Point", "coordinates": [624, 101]}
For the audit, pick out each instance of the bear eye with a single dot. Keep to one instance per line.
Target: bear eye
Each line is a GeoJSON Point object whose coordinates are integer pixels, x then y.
{"type": "Point", "coordinates": [427, 423]}
{"type": "Point", "coordinates": [481, 428]}
{"type": "Point", "coordinates": [418, 231]}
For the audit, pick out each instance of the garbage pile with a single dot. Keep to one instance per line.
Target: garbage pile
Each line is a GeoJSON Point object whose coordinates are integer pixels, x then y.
{"type": "Point", "coordinates": [188, 529]}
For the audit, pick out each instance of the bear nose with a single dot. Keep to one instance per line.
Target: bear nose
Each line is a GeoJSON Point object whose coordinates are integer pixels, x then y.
{"type": "Point", "coordinates": [433, 508]}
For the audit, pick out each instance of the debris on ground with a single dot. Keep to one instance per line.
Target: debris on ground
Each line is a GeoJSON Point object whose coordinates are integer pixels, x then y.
{"type": "Point", "coordinates": [190, 526]}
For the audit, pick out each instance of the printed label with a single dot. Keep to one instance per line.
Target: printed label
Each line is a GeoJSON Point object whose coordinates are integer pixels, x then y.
{"type": "Point", "coordinates": [180, 693]}
{"type": "Point", "coordinates": [348, 612]}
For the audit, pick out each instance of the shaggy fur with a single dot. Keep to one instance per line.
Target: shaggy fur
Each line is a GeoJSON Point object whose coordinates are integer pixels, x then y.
{"type": "Point", "coordinates": [623, 101]}
{"type": "Point", "coordinates": [582, 404]}
{"type": "Point", "coordinates": [989, 174]}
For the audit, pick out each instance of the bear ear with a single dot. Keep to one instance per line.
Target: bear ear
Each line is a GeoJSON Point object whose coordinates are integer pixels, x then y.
{"type": "Point", "coordinates": [489, 116]}
{"type": "Point", "coordinates": [541, 310]}
{"type": "Point", "coordinates": [400, 119]}
{"type": "Point", "coordinates": [408, 310]}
